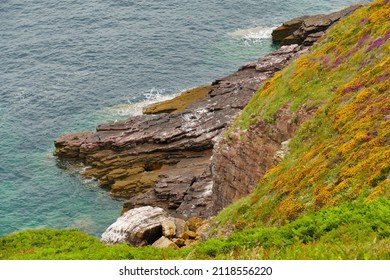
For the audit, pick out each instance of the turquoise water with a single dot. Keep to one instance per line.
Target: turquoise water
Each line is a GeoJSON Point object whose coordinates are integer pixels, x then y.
{"type": "Point", "coordinates": [68, 66]}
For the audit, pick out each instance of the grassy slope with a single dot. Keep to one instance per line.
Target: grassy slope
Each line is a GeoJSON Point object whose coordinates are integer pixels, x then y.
{"type": "Point", "coordinates": [342, 153]}
{"type": "Point", "coordinates": [329, 198]}
{"type": "Point", "coordinates": [72, 244]}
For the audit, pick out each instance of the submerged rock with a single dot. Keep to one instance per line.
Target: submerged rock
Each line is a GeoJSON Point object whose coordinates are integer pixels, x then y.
{"type": "Point", "coordinates": [179, 103]}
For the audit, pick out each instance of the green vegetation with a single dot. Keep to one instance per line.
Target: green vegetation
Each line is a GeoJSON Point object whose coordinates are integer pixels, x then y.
{"type": "Point", "coordinates": [328, 199]}
{"type": "Point", "coordinates": [342, 153]}
{"type": "Point", "coordinates": [351, 231]}
{"type": "Point", "coordinates": [46, 244]}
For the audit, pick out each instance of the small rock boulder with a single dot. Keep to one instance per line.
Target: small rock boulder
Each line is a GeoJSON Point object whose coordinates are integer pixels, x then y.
{"type": "Point", "coordinates": [138, 227]}
{"type": "Point", "coordinates": [194, 222]}
{"type": "Point", "coordinates": [181, 226]}
{"type": "Point", "coordinates": [164, 242]}
{"type": "Point", "coordinates": [168, 228]}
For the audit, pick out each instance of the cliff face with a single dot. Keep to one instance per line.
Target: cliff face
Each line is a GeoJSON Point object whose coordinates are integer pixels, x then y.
{"type": "Point", "coordinates": [333, 105]}
{"type": "Point", "coordinates": [177, 157]}
{"type": "Point", "coordinates": [312, 145]}
{"type": "Point", "coordinates": [164, 159]}
{"type": "Point", "coordinates": [242, 158]}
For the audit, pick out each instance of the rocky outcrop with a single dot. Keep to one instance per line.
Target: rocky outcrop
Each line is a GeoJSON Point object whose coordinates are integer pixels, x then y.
{"type": "Point", "coordinates": [164, 159]}
{"type": "Point", "coordinates": [308, 29]}
{"type": "Point", "coordinates": [139, 226]}
{"type": "Point", "coordinates": [151, 226]}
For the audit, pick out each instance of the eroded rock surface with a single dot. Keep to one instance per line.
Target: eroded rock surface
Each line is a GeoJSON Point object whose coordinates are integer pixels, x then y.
{"type": "Point", "coordinates": [139, 226]}
{"type": "Point", "coordinates": [152, 226]}
{"type": "Point", "coordinates": [308, 29]}
{"type": "Point", "coordinates": [241, 160]}
{"type": "Point", "coordinates": [164, 160]}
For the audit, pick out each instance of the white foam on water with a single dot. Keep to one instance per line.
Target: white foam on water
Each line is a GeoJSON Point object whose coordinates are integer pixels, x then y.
{"type": "Point", "coordinates": [253, 34]}
{"type": "Point", "coordinates": [132, 108]}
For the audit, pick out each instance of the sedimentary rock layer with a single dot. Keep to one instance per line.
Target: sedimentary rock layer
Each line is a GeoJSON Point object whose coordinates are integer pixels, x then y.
{"type": "Point", "coordinates": [241, 159]}
{"type": "Point", "coordinates": [308, 29]}
{"type": "Point", "coordinates": [165, 158]}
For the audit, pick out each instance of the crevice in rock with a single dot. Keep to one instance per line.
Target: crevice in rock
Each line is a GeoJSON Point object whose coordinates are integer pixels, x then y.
{"type": "Point", "coordinates": [151, 235]}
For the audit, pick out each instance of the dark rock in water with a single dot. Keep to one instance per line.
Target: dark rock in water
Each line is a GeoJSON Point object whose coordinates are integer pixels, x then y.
{"type": "Point", "coordinates": [308, 29]}
{"type": "Point", "coordinates": [287, 29]}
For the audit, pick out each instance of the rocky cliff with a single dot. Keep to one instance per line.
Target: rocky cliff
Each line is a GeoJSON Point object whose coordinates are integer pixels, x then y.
{"type": "Point", "coordinates": [178, 157]}
{"type": "Point", "coordinates": [306, 30]}
{"type": "Point", "coordinates": [164, 159]}
{"type": "Point", "coordinates": [331, 105]}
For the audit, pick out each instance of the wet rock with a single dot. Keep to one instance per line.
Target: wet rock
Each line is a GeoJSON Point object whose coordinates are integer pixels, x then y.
{"type": "Point", "coordinates": [287, 29]}
{"type": "Point", "coordinates": [179, 103]}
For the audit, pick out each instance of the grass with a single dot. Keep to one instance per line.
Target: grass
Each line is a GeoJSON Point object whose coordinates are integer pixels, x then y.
{"type": "Point", "coordinates": [56, 244]}
{"type": "Point", "coordinates": [350, 231]}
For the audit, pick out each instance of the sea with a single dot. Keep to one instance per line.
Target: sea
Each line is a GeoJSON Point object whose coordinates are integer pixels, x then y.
{"type": "Point", "coordinates": [68, 65]}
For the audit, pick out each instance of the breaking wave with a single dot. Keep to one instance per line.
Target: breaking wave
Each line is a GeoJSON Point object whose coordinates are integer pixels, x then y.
{"type": "Point", "coordinates": [253, 34]}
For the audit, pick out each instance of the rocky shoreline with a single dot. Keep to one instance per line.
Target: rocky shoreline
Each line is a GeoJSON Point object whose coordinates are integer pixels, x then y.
{"type": "Point", "coordinates": [176, 156]}
{"type": "Point", "coordinates": [164, 159]}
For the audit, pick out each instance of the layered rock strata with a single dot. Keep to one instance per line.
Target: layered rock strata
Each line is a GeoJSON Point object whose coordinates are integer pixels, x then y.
{"type": "Point", "coordinates": [164, 159]}
{"type": "Point", "coordinates": [308, 29]}
{"type": "Point", "coordinates": [140, 226]}
{"type": "Point", "coordinates": [242, 158]}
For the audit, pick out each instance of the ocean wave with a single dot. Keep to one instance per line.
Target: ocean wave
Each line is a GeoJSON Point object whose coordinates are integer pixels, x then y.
{"type": "Point", "coordinates": [253, 34]}
{"type": "Point", "coordinates": [134, 108]}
